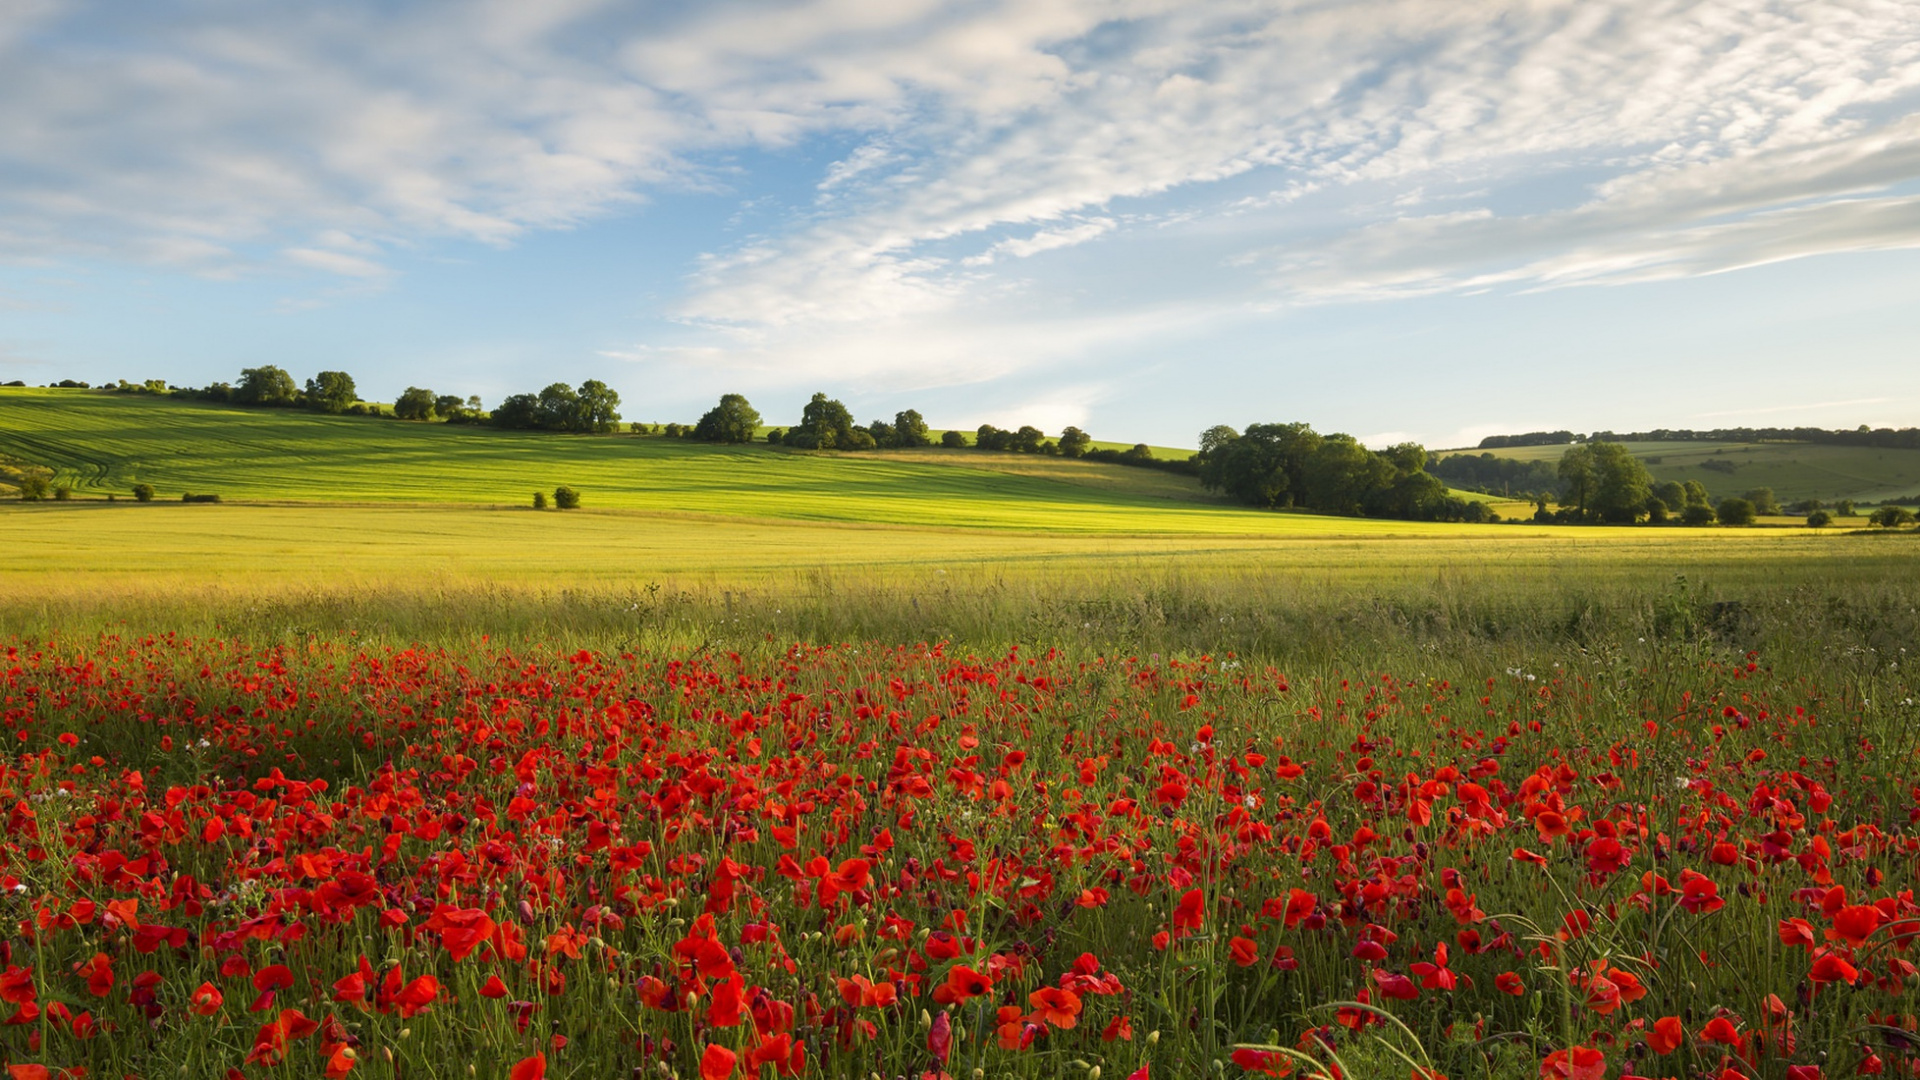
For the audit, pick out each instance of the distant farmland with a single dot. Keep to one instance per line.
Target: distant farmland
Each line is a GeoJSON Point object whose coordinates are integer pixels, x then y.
{"type": "Point", "coordinates": [1794, 471]}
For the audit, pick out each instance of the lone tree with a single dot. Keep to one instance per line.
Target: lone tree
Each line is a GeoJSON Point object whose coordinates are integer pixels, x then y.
{"type": "Point", "coordinates": [331, 392]}
{"type": "Point", "coordinates": [734, 420]}
{"type": "Point", "coordinates": [566, 498]}
{"type": "Point", "coordinates": [265, 385]}
{"type": "Point", "coordinates": [414, 404]}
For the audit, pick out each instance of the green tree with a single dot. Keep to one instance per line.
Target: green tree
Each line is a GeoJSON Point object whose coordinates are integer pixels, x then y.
{"type": "Point", "coordinates": [596, 408]}
{"type": "Point", "coordinates": [1697, 514]}
{"type": "Point", "coordinates": [825, 424]}
{"type": "Point", "coordinates": [519, 411]}
{"type": "Point", "coordinates": [265, 385]}
{"type": "Point", "coordinates": [1074, 442]}
{"type": "Point", "coordinates": [731, 421]}
{"type": "Point", "coordinates": [1603, 481]}
{"type": "Point", "coordinates": [1734, 511]}
{"type": "Point", "coordinates": [1890, 517]}
{"type": "Point", "coordinates": [910, 430]}
{"type": "Point", "coordinates": [1819, 519]}
{"type": "Point", "coordinates": [331, 392]}
{"type": "Point", "coordinates": [414, 404]}
{"type": "Point", "coordinates": [558, 408]}
{"type": "Point", "coordinates": [1843, 508]}
{"type": "Point", "coordinates": [1265, 466]}
{"type": "Point", "coordinates": [447, 407]}
{"type": "Point", "coordinates": [143, 492]}
{"type": "Point", "coordinates": [1625, 485]}
{"type": "Point", "coordinates": [1342, 475]}
{"type": "Point", "coordinates": [1671, 493]}
{"type": "Point", "coordinates": [1697, 494]}
{"type": "Point", "coordinates": [566, 498]}
{"type": "Point", "coordinates": [953, 440]}
{"type": "Point", "coordinates": [1027, 440]}
{"type": "Point", "coordinates": [1763, 501]}
{"type": "Point", "coordinates": [883, 435]}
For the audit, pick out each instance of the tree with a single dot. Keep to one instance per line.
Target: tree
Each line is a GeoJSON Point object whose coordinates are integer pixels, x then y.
{"type": "Point", "coordinates": [1074, 442]}
{"type": "Point", "coordinates": [1763, 501]}
{"type": "Point", "coordinates": [1265, 466]}
{"type": "Point", "coordinates": [1697, 494]}
{"type": "Point", "coordinates": [953, 440]}
{"type": "Point", "coordinates": [143, 493]}
{"type": "Point", "coordinates": [1890, 517]}
{"type": "Point", "coordinates": [882, 434]}
{"type": "Point", "coordinates": [558, 408]}
{"type": "Point", "coordinates": [825, 424]}
{"type": "Point", "coordinates": [910, 430]}
{"type": "Point", "coordinates": [331, 392]}
{"type": "Point", "coordinates": [988, 437]}
{"type": "Point", "coordinates": [1342, 475]}
{"type": "Point", "coordinates": [1819, 519]}
{"type": "Point", "coordinates": [1734, 511]}
{"type": "Point", "coordinates": [1027, 440]}
{"type": "Point", "coordinates": [450, 408]}
{"type": "Point", "coordinates": [565, 498]}
{"type": "Point", "coordinates": [596, 409]}
{"type": "Point", "coordinates": [1697, 514]}
{"type": "Point", "coordinates": [414, 404]}
{"type": "Point", "coordinates": [1604, 481]}
{"type": "Point", "coordinates": [1671, 493]}
{"type": "Point", "coordinates": [731, 421]}
{"type": "Point", "coordinates": [265, 385]}
{"type": "Point", "coordinates": [539, 500]}
{"type": "Point", "coordinates": [518, 411]}
{"type": "Point", "coordinates": [1843, 508]}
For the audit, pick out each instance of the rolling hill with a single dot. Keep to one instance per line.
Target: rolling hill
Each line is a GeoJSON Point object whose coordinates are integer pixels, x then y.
{"type": "Point", "coordinates": [104, 443]}
{"type": "Point", "coordinates": [1794, 470]}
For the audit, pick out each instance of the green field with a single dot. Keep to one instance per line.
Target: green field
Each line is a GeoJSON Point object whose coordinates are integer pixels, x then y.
{"type": "Point", "coordinates": [105, 443]}
{"type": "Point", "coordinates": [1794, 471]}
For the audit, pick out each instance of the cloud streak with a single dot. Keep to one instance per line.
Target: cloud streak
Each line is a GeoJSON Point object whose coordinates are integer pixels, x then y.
{"type": "Point", "coordinates": [995, 156]}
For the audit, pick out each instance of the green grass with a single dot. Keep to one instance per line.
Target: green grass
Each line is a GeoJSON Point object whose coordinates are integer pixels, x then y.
{"type": "Point", "coordinates": [1794, 471]}
{"type": "Point", "coordinates": [105, 443]}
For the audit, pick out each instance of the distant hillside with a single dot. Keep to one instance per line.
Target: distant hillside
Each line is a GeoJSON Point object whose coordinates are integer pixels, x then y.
{"type": "Point", "coordinates": [104, 443]}
{"type": "Point", "coordinates": [1794, 470]}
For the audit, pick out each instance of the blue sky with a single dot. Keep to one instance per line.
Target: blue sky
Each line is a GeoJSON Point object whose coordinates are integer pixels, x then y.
{"type": "Point", "coordinates": [1397, 219]}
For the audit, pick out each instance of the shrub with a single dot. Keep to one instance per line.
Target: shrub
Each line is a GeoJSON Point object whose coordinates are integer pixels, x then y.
{"type": "Point", "coordinates": [1891, 517]}
{"type": "Point", "coordinates": [1843, 508]}
{"type": "Point", "coordinates": [776, 436]}
{"type": "Point", "coordinates": [1819, 519]}
{"type": "Point", "coordinates": [1697, 514]}
{"type": "Point", "coordinates": [191, 498]}
{"type": "Point", "coordinates": [143, 492]}
{"type": "Point", "coordinates": [539, 500]}
{"type": "Point", "coordinates": [1733, 511]}
{"type": "Point", "coordinates": [953, 440]}
{"type": "Point", "coordinates": [565, 498]}
{"type": "Point", "coordinates": [63, 493]}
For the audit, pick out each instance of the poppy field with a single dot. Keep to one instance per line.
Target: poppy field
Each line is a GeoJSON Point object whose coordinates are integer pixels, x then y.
{"type": "Point", "coordinates": [335, 858]}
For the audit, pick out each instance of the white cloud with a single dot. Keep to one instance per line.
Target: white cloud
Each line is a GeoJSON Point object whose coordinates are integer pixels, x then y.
{"type": "Point", "coordinates": [1291, 150]}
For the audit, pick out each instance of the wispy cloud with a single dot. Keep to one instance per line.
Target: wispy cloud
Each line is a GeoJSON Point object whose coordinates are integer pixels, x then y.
{"type": "Point", "coordinates": [1287, 151]}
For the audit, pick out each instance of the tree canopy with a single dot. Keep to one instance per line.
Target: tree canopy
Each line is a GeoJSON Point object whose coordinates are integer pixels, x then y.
{"type": "Point", "coordinates": [734, 420]}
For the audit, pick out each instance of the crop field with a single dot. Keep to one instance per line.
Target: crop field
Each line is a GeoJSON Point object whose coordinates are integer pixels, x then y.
{"type": "Point", "coordinates": [776, 765]}
{"type": "Point", "coordinates": [1794, 471]}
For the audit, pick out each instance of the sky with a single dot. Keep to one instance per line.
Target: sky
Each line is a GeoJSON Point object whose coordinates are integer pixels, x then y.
{"type": "Point", "coordinates": [1394, 218]}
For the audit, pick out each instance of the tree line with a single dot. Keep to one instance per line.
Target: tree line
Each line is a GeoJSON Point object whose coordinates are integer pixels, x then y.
{"type": "Point", "coordinates": [1292, 465]}
{"type": "Point", "coordinates": [1864, 435]}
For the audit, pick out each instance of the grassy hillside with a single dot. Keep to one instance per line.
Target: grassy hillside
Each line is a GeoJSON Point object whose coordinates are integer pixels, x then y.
{"type": "Point", "coordinates": [1794, 471]}
{"type": "Point", "coordinates": [106, 443]}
